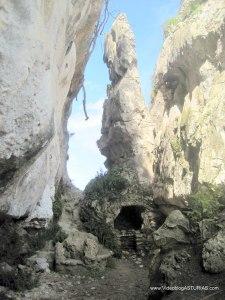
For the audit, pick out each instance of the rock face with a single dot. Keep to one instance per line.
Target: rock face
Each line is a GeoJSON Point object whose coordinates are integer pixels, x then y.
{"type": "Point", "coordinates": [188, 107]}
{"type": "Point", "coordinates": [178, 144]}
{"type": "Point", "coordinates": [126, 127]}
{"type": "Point", "coordinates": [214, 254]}
{"type": "Point", "coordinates": [44, 46]}
{"type": "Point", "coordinates": [79, 247]}
{"type": "Point", "coordinates": [119, 211]}
{"type": "Point", "coordinates": [174, 231]}
{"type": "Point", "coordinates": [171, 253]}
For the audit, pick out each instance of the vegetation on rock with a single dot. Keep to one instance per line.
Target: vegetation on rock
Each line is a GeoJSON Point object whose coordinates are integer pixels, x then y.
{"type": "Point", "coordinates": [171, 25]}
{"type": "Point", "coordinates": [104, 194]}
{"type": "Point", "coordinates": [176, 146]}
{"type": "Point", "coordinates": [57, 207]}
{"type": "Point", "coordinates": [19, 280]}
{"type": "Point", "coordinates": [193, 8]}
{"type": "Point", "coordinates": [97, 226]}
{"type": "Point", "coordinates": [18, 244]}
{"type": "Point", "coordinates": [206, 202]}
{"type": "Point", "coordinates": [14, 249]}
{"type": "Point", "coordinates": [106, 185]}
{"type": "Point", "coordinates": [190, 10]}
{"type": "Point", "coordinates": [185, 117]}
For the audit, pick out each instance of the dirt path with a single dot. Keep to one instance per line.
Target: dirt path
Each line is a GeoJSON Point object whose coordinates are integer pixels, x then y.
{"type": "Point", "coordinates": [127, 281]}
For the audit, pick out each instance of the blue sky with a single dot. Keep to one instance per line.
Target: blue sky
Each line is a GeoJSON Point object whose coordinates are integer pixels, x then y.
{"type": "Point", "coordinates": [146, 18]}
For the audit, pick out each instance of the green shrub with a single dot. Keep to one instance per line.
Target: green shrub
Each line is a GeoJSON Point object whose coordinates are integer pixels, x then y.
{"type": "Point", "coordinates": [172, 22]}
{"type": "Point", "coordinates": [54, 232]}
{"type": "Point", "coordinates": [98, 227]}
{"type": "Point", "coordinates": [19, 280]}
{"type": "Point", "coordinates": [11, 246]}
{"type": "Point", "coordinates": [104, 185]}
{"type": "Point", "coordinates": [206, 202]}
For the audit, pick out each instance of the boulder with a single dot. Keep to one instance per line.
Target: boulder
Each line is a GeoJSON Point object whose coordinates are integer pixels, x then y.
{"type": "Point", "coordinates": [39, 264]}
{"type": "Point", "coordinates": [79, 249]}
{"type": "Point", "coordinates": [213, 253]}
{"type": "Point", "coordinates": [6, 269]}
{"type": "Point", "coordinates": [91, 249]}
{"type": "Point", "coordinates": [173, 232]}
{"type": "Point", "coordinates": [172, 264]}
{"type": "Point", "coordinates": [209, 228]}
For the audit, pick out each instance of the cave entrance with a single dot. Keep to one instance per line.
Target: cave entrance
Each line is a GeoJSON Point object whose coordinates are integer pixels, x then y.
{"type": "Point", "coordinates": [129, 218]}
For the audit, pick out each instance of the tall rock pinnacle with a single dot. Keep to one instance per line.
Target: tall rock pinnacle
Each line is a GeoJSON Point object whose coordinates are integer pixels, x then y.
{"type": "Point", "coordinates": [126, 133]}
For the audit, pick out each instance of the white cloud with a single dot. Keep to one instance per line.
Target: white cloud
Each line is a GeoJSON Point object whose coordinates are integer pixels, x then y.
{"type": "Point", "coordinates": [84, 156]}
{"type": "Point", "coordinates": [98, 105]}
{"type": "Point", "coordinates": [77, 124]}
{"type": "Point", "coordinates": [77, 120]}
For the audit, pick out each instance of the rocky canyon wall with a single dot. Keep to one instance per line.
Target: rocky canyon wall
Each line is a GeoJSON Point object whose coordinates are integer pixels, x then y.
{"type": "Point", "coordinates": [188, 107]}
{"type": "Point", "coordinates": [178, 144]}
{"type": "Point", "coordinates": [44, 46]}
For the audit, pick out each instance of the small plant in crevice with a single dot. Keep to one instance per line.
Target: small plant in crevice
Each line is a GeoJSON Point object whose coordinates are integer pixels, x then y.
{"type": "Point", "coordinates": [154, 92]}
{"type": "Point", "coordinates": [170, 25]}
{"type": "Point", "coordinates": [190, 10]}
{"type": "Point", "coordinates": [176, 146]}
{"type": "Point", "coordinates": [53, 232]}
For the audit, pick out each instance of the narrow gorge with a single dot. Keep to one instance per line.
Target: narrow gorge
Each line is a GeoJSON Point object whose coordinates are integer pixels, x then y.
{"type": "Point", "coordinates": [153, 225]}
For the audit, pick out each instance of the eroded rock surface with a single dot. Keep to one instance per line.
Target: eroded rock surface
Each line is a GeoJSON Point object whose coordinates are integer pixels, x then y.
{"type": "Point", "coordinates": [44, 46]}
{"type": "Point", "coordinates": [188, 104]}
{"type": "Point", "coordinates": [174, 231]}
{"type": "Point", "coordinates": [214, 254]}
{"type": "Point", "coordinates": [126, 127]}
{"type": "Point", "coordinates": [78, 248]}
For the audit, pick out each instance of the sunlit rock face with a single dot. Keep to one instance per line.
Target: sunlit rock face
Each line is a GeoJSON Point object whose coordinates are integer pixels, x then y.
{"type": "Point", "coordinates": [44, 47]}
{"type": "Point", "coordinates": [126, 127]}
{"type": "Point", "coordinates": [188, 106]}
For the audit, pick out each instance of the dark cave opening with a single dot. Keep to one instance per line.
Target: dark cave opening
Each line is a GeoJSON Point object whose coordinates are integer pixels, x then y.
{"type": "Point", "coordinates": [129, 218]}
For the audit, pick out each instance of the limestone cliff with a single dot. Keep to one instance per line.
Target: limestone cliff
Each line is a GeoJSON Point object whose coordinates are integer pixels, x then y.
{"type": "Point", "coordinates": [179, 144]}
{"type": "Point", "coordinates": [44, 46]}
{"type": "Point", "coordinates": [188, 106]}
{"type": "Point", "coordinates": [126, 126]}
